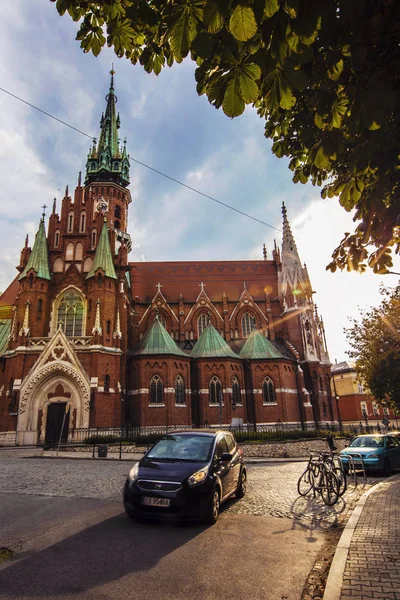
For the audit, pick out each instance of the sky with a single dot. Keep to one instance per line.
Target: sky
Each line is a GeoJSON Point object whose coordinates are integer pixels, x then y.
{"type": "Point", "coordinates": [172, 129]}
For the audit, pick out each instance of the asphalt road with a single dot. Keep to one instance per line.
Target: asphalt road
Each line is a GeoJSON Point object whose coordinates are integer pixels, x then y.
{"type": "Point", "coordinates": [65, 522]}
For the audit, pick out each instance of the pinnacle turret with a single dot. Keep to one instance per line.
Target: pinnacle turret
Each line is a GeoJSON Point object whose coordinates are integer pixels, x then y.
{"type": "Point", "coordinates": [103, 257]}
{"type": "Point", "coordinates": [39, 257]}
{"type": "Point", "coordinates": [107, 161]}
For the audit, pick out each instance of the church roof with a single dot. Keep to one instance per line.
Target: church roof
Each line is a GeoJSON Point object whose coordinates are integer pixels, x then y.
{"type": "Point", "coordinates": [39, 258]}
{"type": "Point", "coordinates": [258, 347]}
{"type": "Point", "coordinates": [5, 329]}
{"type": "Point", "coordinates": [158, 341]}
{"type": "Point", "coordinates": [7, 298]}
{"type": "Point", "coordinates": [103, 257]}
{"type": "Point", "coordinates": [211, 345]}
{"type": "Point", "coordinates": [217, 276]}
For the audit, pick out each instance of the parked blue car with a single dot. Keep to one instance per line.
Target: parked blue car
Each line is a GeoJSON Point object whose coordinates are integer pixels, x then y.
{"type": "Point", "coordinates": [379, 452]}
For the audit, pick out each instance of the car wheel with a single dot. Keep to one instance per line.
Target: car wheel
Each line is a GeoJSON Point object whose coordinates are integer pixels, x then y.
{"type": "Point", "coordinates": [129, 513]}
{"type": "Point", "coordinates": [241, 489]}
{"type": "Point", "coordinates": [213, 509]}
{"type": "Point", "coordinates": [386, 467]}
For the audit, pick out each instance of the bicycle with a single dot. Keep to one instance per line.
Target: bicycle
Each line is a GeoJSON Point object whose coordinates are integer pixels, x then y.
{"type": "Point", "coordinates": [320, 476]}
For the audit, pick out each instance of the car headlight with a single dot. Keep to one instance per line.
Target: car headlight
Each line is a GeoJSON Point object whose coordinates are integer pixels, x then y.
{"type": "Point", "coordinates": [134, 472]}
{"type": "Point", "coordinates": [198, 477]}
{"type": "Point", "coordinates": [373, 455]}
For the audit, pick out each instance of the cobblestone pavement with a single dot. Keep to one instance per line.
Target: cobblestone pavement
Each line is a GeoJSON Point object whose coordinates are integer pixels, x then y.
{"type": "Point", "coordinates": [373, 563]}
{"type": "Point", "coordinates": [272, 488]}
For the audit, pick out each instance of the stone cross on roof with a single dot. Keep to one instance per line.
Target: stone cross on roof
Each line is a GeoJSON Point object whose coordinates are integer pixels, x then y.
{"type": "Point", "coordinates": [202, 285]}
{"type": "Point", "coordinates": [159, 286]}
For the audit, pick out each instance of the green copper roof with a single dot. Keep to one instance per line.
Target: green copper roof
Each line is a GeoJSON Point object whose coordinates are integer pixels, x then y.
{"type": "Point", "coordinates": [5, 329]}
{"type": "Point", "coordinates": [107, 160]}
{"type": "Point", "coordinates": [210, 344]}
{"type": "Point", "coordinates": [258, 347]}
{"type": "Point", "coordinates": [39, 258]}
{"type": "Point", "coordinates": [103, 257]}
{"type": "Point", "coordinates": [158, 341]}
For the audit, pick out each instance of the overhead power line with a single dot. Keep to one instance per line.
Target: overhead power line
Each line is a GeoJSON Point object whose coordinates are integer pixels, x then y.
{"type": "Point", "coordinates": [240, 212]}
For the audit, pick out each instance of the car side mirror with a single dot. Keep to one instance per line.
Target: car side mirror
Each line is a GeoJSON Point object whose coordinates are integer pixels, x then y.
{"type": "Point", "coordinates": [225, 457]}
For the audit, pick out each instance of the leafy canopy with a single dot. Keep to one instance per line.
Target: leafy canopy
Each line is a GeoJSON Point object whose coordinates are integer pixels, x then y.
{"type": "Point", "coordinates": [375, 343]}
{"type": "Point", "coordinates": [324, 74]}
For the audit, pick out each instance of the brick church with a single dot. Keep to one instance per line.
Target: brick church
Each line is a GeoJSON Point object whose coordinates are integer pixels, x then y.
{"type": "Point", "coordinates": [151, 343]}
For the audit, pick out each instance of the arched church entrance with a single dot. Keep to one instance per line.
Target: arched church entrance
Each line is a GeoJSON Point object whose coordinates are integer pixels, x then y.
{"type": "Point", "coordinates": [57, 423]}
{"type": "Point", "coordinates": [44, 398]}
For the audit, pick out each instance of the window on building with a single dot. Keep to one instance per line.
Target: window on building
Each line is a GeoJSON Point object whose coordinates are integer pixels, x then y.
{"type": "Point", "coordinates": [58, 266]}
{"type": "Point", "coordinates": [180, 390]}
{"type": "Point", "coordinates": [364, 411]}
{"type": "Point", "coordinates": [386, 411]}
{"type": "Point", "coordinates": [202, 323]}
{"type": "Point", "coordinates": [117, 224]}
{"type": "Point", "coordinates": [117, 211]}
{"type": "Point", "coordinates": [94, 238]}
{"type": "Point", "coordinates": [360, 388]}
{"type": "Point", "coordinates": [70, 314]}
{"type": "Point", "coordinates": [87, 265]}
{"type": "Point", "coordinates": [40, 306]}
{"type": "Point", "coordinates": [57, 238]}
{"type": "Point", "coordinates": [69, 251]}
{"type": "Point", "coordinates": [268, 390]}
{"type": "Point", "coordinates": [70, 224]}
{"type": "Point", "coordinates": [79, 251]}
{"type": "Point", "coordinates": [215, 390]}
{"type": "Point", "coordinates": [375, 408]}
{"type": "Point", "coordinates": [236, 395]}
{"type": "Point", "coordinates": [156, 390]}
{"type": "Point", "coordinates": [248, 324]}
{"type": "Point", "coordinates": [106, 383]}
{"type": "Point", "coordinates": [10, 391]}
{"type": "Point", "coordinates": [82, 225]}
{"type": "Point", "coordinates": [108, 328]}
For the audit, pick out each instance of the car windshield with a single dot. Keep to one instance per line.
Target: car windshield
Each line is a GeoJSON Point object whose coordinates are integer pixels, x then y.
{"type": "Point", "coordinates": [183, 447]}
{"type": "Point", "coordinates": [367, 442]}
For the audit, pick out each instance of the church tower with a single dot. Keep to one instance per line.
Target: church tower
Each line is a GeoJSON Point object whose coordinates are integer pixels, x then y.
{"type": "Point", "coordinates": [68, 336]}
{"type": "Point", "coordinates": [307, 334]}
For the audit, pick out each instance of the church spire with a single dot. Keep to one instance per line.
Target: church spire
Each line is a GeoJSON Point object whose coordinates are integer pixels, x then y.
{"type": "Point", "coordinates": [289, 249]}
{"type": "Point", "coordinates": [103, 257]}
{"type": "Point", "coordinates": [107, 161]}
{"type": "Point", "coordinates": [39, 258]}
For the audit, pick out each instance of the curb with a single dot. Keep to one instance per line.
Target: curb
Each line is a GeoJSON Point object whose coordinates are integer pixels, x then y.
{"type": "Point", "coordinates": [334, 583]}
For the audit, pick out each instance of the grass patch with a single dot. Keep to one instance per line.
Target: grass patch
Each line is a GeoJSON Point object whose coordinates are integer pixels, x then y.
{"type": "Point", "coordinates": [6, 554]}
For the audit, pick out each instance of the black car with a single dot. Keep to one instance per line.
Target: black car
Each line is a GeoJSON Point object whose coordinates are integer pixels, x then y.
{"type": "Point", "coordinates": [186, 475]}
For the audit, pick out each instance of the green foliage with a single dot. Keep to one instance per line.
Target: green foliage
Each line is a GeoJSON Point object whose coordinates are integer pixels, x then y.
{"type": "Point", "coordinates": [324, 75]}
{"type": "Point", "coordinates": [375, 343]}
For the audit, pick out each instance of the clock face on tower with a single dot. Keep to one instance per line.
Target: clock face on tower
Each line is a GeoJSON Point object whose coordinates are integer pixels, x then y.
{"type": "Point", "coordinates": [102, 206]}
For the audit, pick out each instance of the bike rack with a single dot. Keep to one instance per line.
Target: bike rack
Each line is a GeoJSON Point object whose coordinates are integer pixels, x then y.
{"type": "Point", "coordinates": [352, 467]}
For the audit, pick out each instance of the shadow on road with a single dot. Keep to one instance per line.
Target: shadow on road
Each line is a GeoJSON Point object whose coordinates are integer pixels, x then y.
{"type": "Point", "coordinates": [99, 554]}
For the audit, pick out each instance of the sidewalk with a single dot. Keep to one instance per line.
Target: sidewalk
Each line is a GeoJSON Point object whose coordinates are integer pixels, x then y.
{"type": "Point", "coordinates": [366, 564]}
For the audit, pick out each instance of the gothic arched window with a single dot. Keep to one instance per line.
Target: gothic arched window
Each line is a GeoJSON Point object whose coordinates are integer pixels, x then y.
{"type": "Point", "coordinates": [69, 251]}
{"type": "Point", "coordinates": [117, 212]}
{"type": "Point", "coordinates": [57, 238]}
{"type": "Point", "coordinates": [94, 238]}
{"type": "Point", "coordinates": [79, 251]}
{"type": "Point", "coordinates": [248, 324]}
{"type": "Point", "coordinates": [236, 396]}
{"type": "Point", "coordinates": [268, 391]}
{"type": "Point", "coordinates": [215, 390]}
{"type": "Point", "coordinates": [70, 314]}
{"type": "Point", "coordinates": [106, 383]}
{"type": "Point", "coordinates": [156, 390]}
{"type": "Point", "coordinates": [70, 226]}
{"type": "Point", "coordinates": [202, 323]}
{"type": "Point", "coordinates": [82, 224]}
{"type": "Point", "coordinates": [179, 390]}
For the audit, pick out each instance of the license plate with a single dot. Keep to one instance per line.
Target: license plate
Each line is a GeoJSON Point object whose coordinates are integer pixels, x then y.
{"type": "Point", "coordinates": [148, 501]}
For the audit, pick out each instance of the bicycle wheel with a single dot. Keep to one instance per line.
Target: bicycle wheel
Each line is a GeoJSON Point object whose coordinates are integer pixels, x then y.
{"type": "Point", "coordinates": [329, 488]}
{"type": "Point", "coordinates": [305, 482]}
{"type": "Point", "coordinates": [341, 475]}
